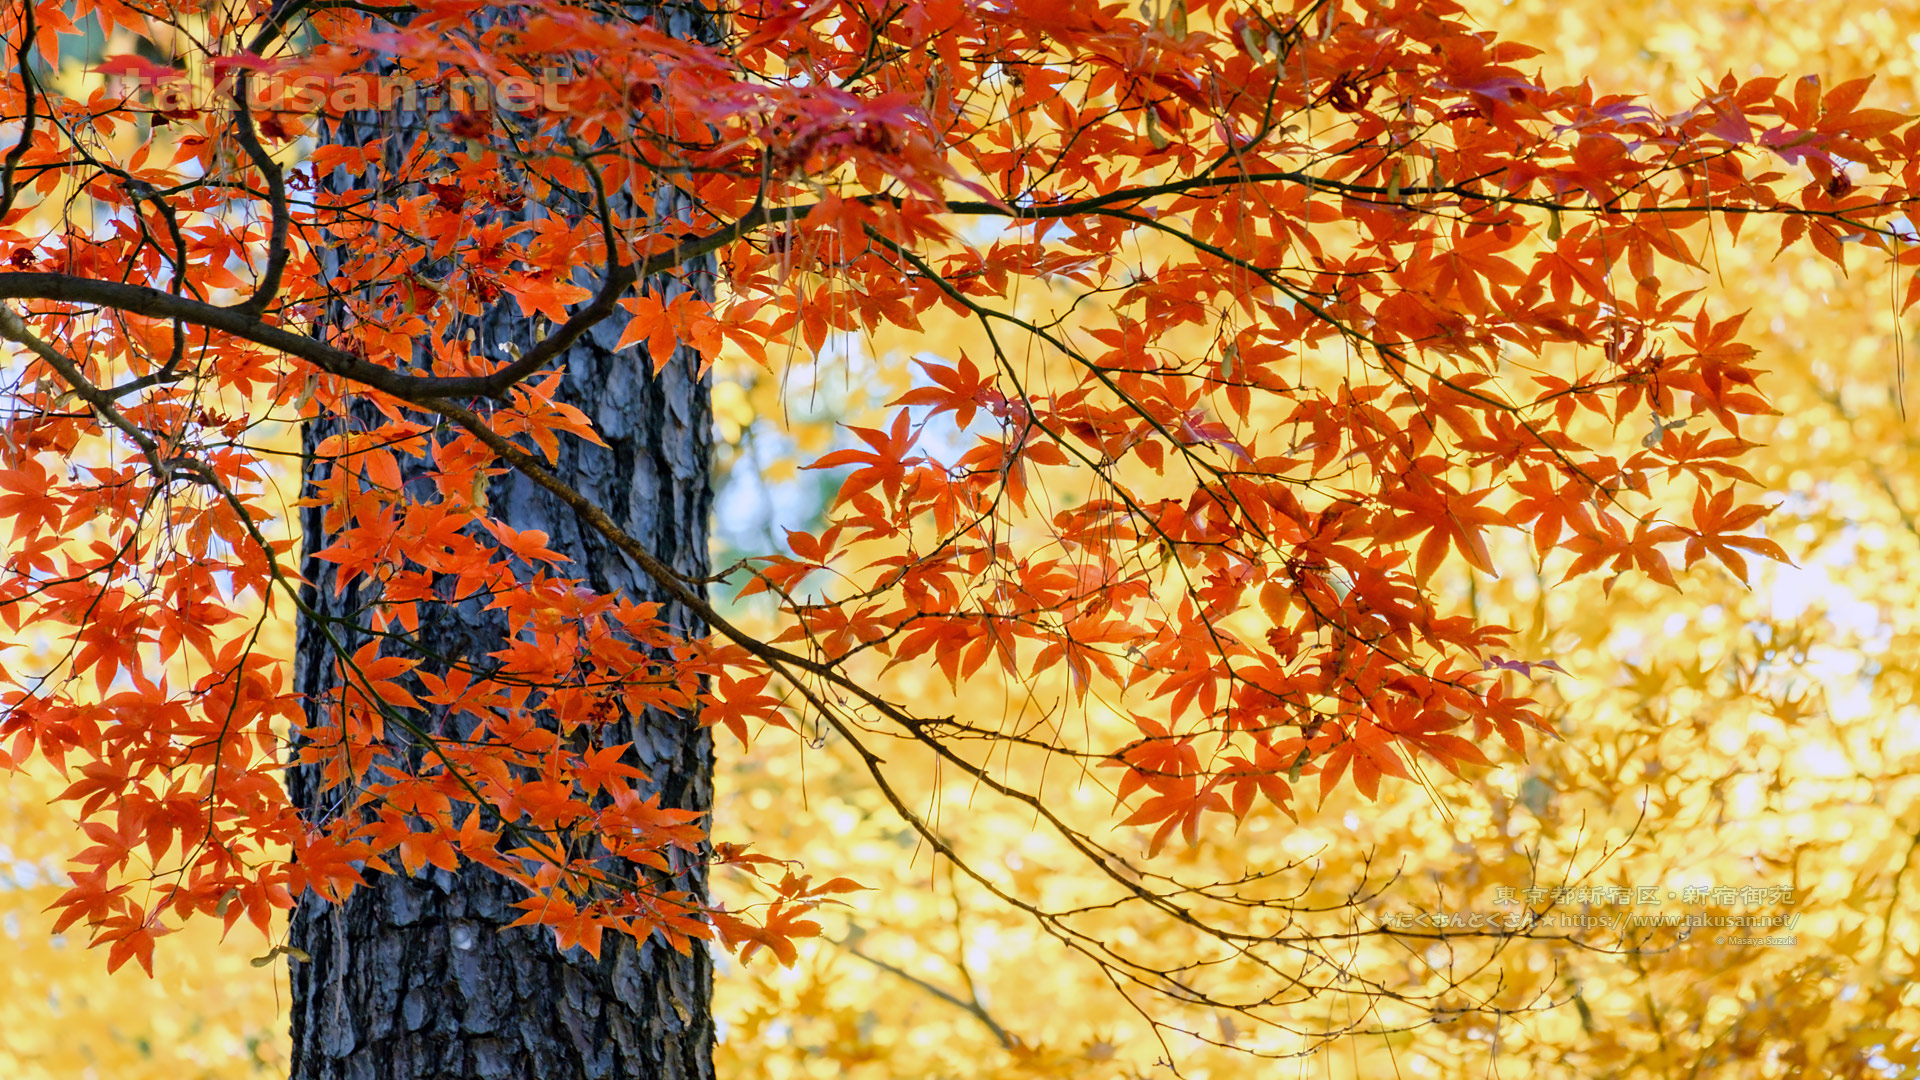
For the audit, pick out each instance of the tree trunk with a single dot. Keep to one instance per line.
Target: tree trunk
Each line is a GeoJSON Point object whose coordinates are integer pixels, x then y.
{"type": "Point", "coordinates": [418, 977]}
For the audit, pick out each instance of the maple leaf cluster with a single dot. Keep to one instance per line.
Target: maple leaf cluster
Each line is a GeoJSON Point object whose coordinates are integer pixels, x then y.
{"type": "Point", "coordinates": [1317, 307]}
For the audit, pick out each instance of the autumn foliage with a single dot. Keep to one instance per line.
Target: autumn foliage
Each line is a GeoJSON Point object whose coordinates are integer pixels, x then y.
{"type": "Point", "coordinates": [1287, 320]}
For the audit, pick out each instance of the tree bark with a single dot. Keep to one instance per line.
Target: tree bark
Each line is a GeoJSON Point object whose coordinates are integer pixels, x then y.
{"type": "Point", "coordinates": [418, 977]}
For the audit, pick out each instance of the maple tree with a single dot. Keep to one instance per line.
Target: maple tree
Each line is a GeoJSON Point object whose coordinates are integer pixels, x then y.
{"type": "Point", "coordinates": [1301, 305]}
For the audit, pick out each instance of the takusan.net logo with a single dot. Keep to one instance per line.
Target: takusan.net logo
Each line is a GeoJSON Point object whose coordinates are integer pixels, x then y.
{"type": "Point", "coordinates": [171, 92]}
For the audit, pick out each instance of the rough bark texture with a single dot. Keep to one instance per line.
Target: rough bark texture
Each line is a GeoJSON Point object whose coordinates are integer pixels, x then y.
{"type": "Point", "coordinates": [416, 977]}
